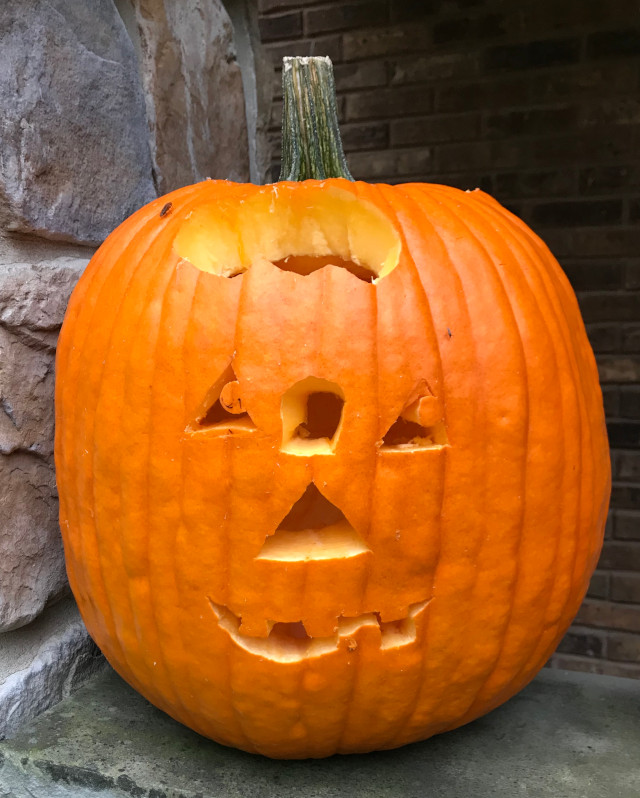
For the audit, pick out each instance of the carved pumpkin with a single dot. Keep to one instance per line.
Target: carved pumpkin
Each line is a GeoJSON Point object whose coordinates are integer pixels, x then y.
{"type": "Point", "coordinates": [331, 457]}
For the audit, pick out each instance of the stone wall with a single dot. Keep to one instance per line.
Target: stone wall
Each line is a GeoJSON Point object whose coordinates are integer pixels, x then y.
{"type": "Point", "coordinates": [105, 105]}
{"type": "Point", "coordinates": [537, 103]}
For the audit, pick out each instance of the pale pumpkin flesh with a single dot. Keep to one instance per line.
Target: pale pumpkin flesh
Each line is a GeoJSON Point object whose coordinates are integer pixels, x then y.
{"type": "Point", "coordinates": [460, 443]}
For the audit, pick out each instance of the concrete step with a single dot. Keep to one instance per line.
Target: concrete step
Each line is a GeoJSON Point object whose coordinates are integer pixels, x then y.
{"type": "Point", "coordinates": [567, 735]}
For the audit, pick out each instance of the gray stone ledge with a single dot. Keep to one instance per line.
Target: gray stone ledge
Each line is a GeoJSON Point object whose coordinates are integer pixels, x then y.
{"type": "Point", "coordinates": [567, 735]}
{"type": "Point", "coordinates": [42, 663]}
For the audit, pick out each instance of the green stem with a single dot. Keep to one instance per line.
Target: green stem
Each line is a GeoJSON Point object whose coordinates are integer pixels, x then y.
{"type": "Point", "coordinates": [311, 143]}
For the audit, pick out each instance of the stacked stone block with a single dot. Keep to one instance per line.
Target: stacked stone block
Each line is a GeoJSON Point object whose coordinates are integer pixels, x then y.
{"type": "Point", "coordinates": [105, 106]}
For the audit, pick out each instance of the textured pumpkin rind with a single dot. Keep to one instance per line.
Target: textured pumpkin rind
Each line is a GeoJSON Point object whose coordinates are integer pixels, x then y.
{"type": "Point", "coordinates": [499, 531]}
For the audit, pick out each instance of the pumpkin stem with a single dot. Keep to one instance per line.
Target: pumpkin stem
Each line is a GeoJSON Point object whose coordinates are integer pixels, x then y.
{"type": "Point", "coordinates": [311, 143]}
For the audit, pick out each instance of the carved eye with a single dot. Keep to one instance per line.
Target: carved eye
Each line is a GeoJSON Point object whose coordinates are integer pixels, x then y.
{"type": "Point", "coordinates": [419, 426]}
{"type": "Point", "coordinates": [311, 413]}
{"type": "Point", "coordinates": [222, 410]}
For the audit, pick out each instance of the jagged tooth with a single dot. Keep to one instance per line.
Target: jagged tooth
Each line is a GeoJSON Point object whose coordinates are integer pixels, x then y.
{"type": "Point", "coordinates": [255, 627]}
{"type": "Point", "coordinates": [321, 627]}
{"type": "Point", "coordinates": [394, 613]}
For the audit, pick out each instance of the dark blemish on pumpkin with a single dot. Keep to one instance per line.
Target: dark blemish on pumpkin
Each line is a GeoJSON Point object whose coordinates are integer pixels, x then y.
{"type": "Point", "coordinates": [166, 208]}
{"type": "Point", "coordinates": [449, 333]}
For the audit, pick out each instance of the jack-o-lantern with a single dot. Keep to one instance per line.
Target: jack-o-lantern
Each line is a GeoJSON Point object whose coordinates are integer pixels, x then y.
{"type": "Point", "coordinates": [331, 456]}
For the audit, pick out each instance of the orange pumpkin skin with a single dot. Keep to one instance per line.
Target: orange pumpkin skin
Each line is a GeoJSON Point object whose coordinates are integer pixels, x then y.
{"type": "Point", "coordinates": [476, 551]}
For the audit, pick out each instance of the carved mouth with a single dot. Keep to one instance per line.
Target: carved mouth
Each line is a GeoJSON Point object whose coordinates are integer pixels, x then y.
{"type": "Point", "coordinates": [289, 642]}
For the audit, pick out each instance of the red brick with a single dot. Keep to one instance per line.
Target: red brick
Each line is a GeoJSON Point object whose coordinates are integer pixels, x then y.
{"type": "Point", "coordinates": [266, 6]}
{"type": "Point", "coordinates": [599, 585]}
{"type": "Point", "coordinates": [541, 183]}
{"type": "Point", "coordinates": [620, 555]}
{"type": "Point", "coordinates": [346, 16]}
{"type": "Point", "coordinates": [432, 129]}
{"type": "Point", "coordinates": [466, 28]}
{"type": "Point", "coordinates": [611, 111]}
{"type": "Point", "coordinates": [625, 495]}
{"type": "Point", "coordinates": [609, 306]}
{"type": "Point", "coordinates": [325, 45]}
{"type": "Point", "coordinates": [604, 338]}
{"type": "Point", "coordinates": [282, 26]}
{"type": "Point", "coordinates": [574, 663]}
{"type": "Point", "coordinates": [602, 242]}
{"type": "Point", "coordinates": [533, 55]}
{"type": "Point", "coordinates": [624, 647]}
{"type": "Point", "coordinates": [627, 525]}
{"type": "Point", "coordinates": [532, 122]}
{"type": "Point", "coordinates": [384, 103]}
{"type": "Point", "coordinates": [625, 587]}
{"type": "Point", "coordinates": [618, 368]}
{"type": "Point", "coordinates": [594, 275]}
{"type": "Point", "coordinates": [611, 399]}
{"type": "Point", "coordinates": [627, 465]}
{"type": "Point", "coordinates": [584, 642]}
{"type": "Point", "coordinates": [631, 343]}
{"type": "Point", "coordinates": [360, 75]}
{"type": "Point", "coordinates": [608, 615]}
{"type": "Point", "coordinates": [482, 95]}
{"type": "Point", "coordinates": [632, 279]}
{"type": "Point", "coordinates": [413, 10]}
{"type": "Point", "coordinates": [535, 19]}
{"type": "Point", "coordinates": [386, 42]}
{"type": "Point", "coordinates": [434, 66]}
{"type": "Point", "coordinates": [584, 80]}
{"type": "Point", "coordinates": [580, 213]}
{"type": "Point", "coordinates": [366, 136]}
{"type": "Point", "coordinates": [376, 165]}
{"type": "Point", "coordinates": [630, 401]}
{"type": "Point", "coordinates": [614, 43]}
{"type": "Point", "coordinates": [609, 179]}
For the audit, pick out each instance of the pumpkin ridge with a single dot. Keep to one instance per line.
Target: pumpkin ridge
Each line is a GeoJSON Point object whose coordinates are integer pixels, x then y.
{"type": "Point", "coordinates": [231, 710]}
{"type": "Point", "coordinates": [115, 315]}
{"type": "Point", "coordinates": [533, 260]}
{"type": "Point", "coordinates": [230, 654]}
{"type": "Point", "coordinates": [389, 195]}
{"type": "Point", "coordinates": [64, 454]}
{"type": "Point", "coordinates": [431, 210]}
{"type": "Point", "coordinates": [569, 347]}
{"type": "Point", "coordinates": [161, 241]}
{"type": "Point", "coordinates": [517, 253]}
{"type": "Point", "coordinates": [105, 601]}
{"type": "Point", "coordinates": [570, 343]}
{"type": "Point", "coordinates": [513, 327]}
{"type": "Point", "coordinates": [161, 328]}
{"type": "Point", "coordinates": [544, 626]}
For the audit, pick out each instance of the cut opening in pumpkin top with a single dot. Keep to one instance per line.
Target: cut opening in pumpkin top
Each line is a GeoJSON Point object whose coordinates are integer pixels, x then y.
{"type": "Point", "coordinates": [298, 228]}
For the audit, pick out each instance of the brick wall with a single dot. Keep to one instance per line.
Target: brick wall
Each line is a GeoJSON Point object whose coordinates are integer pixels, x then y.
{"type": "Point", "coordinates": [538, 103]}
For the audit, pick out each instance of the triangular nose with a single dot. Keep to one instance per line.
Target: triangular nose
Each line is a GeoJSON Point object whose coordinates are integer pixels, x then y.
{"type": "Point", "coordinates": [313, 529]}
